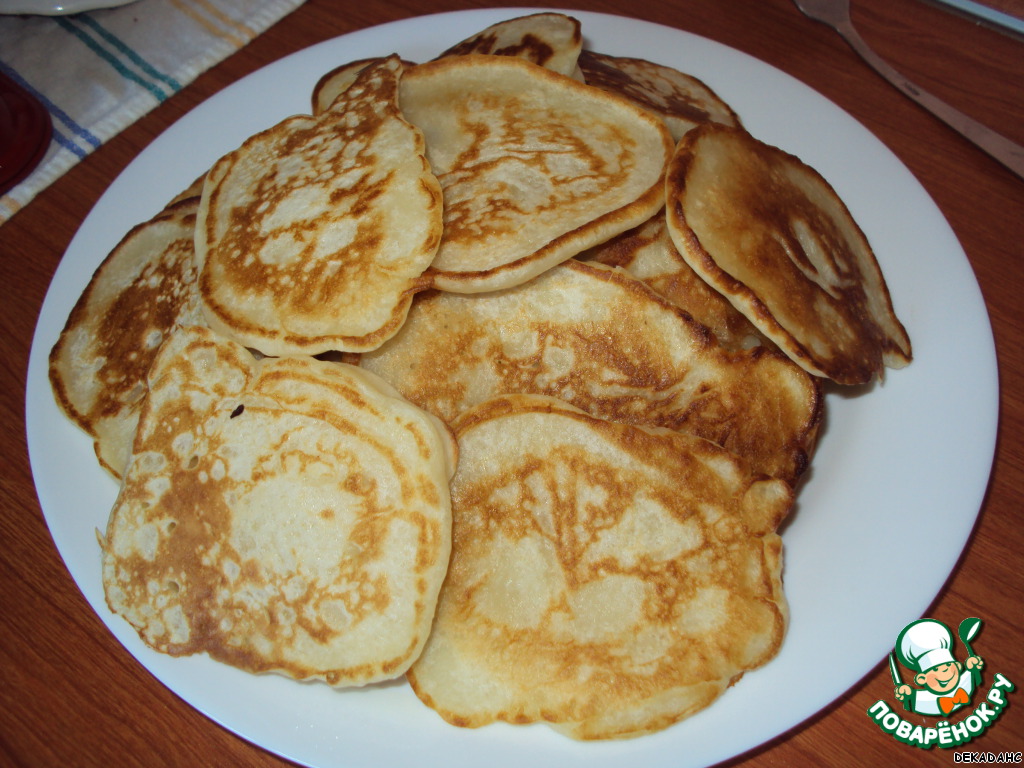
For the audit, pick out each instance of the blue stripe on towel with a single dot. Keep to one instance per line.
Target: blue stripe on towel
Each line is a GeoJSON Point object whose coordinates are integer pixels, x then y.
{"type": "Point", "coordinates": [128, 51]}
{"type": "Point", "coordinates": [58, 113]}
{"type": "Point", "coordinates": [60, 139]}
{"type": "Point", "coordinates": [110, 58]}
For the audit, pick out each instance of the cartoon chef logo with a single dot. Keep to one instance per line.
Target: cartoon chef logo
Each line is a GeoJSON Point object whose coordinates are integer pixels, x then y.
{"type": "Point", "coordinates": [941, 683]}
{"type": "Point", "coordinates": [940, 686]}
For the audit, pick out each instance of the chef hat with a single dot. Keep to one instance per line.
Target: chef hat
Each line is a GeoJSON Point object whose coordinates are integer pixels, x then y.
{"type": "Point", "coordinates": [925, 644]}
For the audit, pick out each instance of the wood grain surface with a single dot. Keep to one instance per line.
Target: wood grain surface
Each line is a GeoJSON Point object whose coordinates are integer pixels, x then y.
{"type": "Point", "coordinates": [71, 696]}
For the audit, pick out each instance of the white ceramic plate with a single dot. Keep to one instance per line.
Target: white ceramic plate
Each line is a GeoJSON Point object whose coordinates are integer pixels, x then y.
{"type": "Point", "coordinates": [890, 501]}
{"type": "Point", "coordinates": [56, 7]}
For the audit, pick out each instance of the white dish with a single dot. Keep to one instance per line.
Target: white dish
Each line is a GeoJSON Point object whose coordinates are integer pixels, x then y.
{"type": "Point", "coordinates": [901, 469]}
{"type": "Point", "coordinates": [56, 7]}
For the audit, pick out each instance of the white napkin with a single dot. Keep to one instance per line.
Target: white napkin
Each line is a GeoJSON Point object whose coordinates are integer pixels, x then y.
{"type": "Point", "coordinates": [98, 72]}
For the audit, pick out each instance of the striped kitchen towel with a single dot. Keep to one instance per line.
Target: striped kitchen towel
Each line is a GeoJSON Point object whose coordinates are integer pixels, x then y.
{"type": "Point", "coordinates": [98, 72]}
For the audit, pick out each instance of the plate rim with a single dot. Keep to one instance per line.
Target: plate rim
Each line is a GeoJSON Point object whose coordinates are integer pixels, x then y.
{"type": "Point", "coordinates": [36, 399]}
{"type": "Point", "coordinates": [56, 7]}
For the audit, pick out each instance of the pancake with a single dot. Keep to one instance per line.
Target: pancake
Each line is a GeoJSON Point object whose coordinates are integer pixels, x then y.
{"type": "Point", "coordinates": [332, 84]}
{"type": "Point", "coordinates": [550, 40]}
{"type": "Point", "coordinates": [603, 341]}
{"type": "Point", "coordinates": [534, 166]}
{"type": "Point", "coordinates": [190, 195]}
{"type": "Point", "coordinates": [140, 292]}
{"type": "Point", "coordinates": [282, 515]}
{"type": "Point", "coordinates": [681, 100]}
{"type": "Point", "coordinates": [769, 233]}
{"type": "Point", "coordinates": [313, 235]}
{"type": "Point", "coordinates": [648, 253]}
{"type": "Point", "coordinates": [606, 579]}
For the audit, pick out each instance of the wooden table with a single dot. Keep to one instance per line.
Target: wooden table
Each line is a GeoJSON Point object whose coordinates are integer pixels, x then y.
{"type": "Point", "coordinates": [70, 695]}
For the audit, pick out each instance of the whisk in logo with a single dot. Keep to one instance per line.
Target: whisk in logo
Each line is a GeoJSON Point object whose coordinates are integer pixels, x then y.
{"type": "Point", "coordinates": [940, 685]}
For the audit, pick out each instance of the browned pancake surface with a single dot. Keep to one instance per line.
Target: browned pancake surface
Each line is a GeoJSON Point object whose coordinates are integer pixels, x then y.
{"type": "Point", "coordinates": [313, 235]}
{"type": "Point", "coordinates": [141, 291]}
{"type": "Point", "coordinates": [770, 233]}
{"type": "Point", "coordinates": [335, 82]}
{"type": "Point", "coordinates": [648, 253]}
{"type": "Point", "coordinates": [602, 340]}
{"type": "Point", "coordinates": [681, 100]}
{"type": "Point", "coordinates": [605, 579]}
{"type": "Point", "coordinates": [550, 40]}
{"type": "Point", "coordinates": [534, 166]}
{"type": "Point", "coordinates": [282, 515]}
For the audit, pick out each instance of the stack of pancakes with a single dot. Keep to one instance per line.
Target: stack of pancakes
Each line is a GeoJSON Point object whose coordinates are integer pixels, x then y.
{"type": "Point", "coordinates": [499, 370]}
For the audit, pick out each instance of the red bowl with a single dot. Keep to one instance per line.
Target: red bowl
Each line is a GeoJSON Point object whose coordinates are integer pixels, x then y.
{"type": "Point", "coordinates": [25, 131]}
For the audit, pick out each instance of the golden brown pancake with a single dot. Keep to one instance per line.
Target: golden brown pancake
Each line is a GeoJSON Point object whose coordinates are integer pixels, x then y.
{"type": "Point", "coordinates": [603, 341]}
{"type": "Point", "coordinates": [769, 233]}
{"type": "Point", "coordinates": [606, 579]}
{"type": "Point", "coordinates": [648, 253]}
{"type": "Point", "coordinates": [282, 515]}
{"type": "Point", "coordinates": [535, 166]}
{"type": "Point", "coordinates": [332, 84]}
{"type": "Point", "coordinates": [141, 291]}
{"type": "Point", "coordinates": [550, 40]}
{"type": "Point", "coordinates": [681, 100]}
{"type": "Point", "coordinates": [314, 234]}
